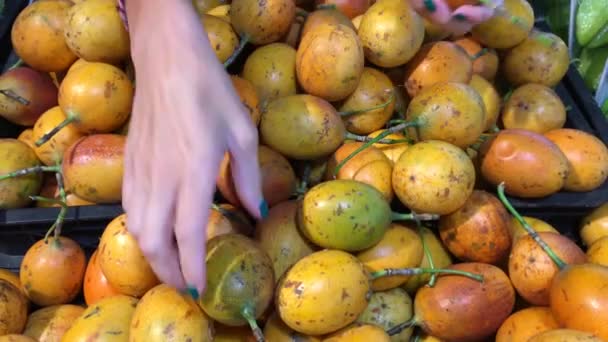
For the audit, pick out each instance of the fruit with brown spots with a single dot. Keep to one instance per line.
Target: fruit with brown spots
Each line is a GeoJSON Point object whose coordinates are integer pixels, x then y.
{"type": "Point", "coordinates": [400, 247]}
{"type": "Point", "coordinates": [12, 278]}
{"type": "Point", "coordinates": [51, 152]}
{"type": "Point", "coordinates": [240, 280]}
{"type": "Point", "coordinates": [350, 8]}
{"type": "Point", "coordinates": [225, 218]}
{"type": "Point", "coordinates": [534, 107]}
{"type": "Point", "coordinates": [578, 298]}
{"type": "Point", "coordinates": [13, 309]}
{"type": "Point", "coordinates": [122, 261]}
{"type": "Point", "coordinates": [344, 214]}
{"type": "Point", "coordinates": [517, 231]}
{"type": "Point", "coordinates": [165, 314]}
{"type": "Point", "coordinates": [374, 89]}
{"type": "Point", "coordinates": [433, 177]}
{"type": "Point", "coordinates": [271, 69]}
{"type": "Point", "coordinates": [96, 286]}
{"type": "Point", "coordinates": [25, 94]}
{"type": "Point", "coordinates": [530, 165]}
{"type": "Point", "coordinates": [450, 111]}
{"type": "Point", "coordinates": [276, 330]}
{"type": "Point", "coordinates": [501, 31]}
{"type": "Point", "coordinates": [27, 137]}
{"type": "Point", "coordinates": [302, 127]}
{"type": "Point", "coordinates": [330, 61]}
{"type": "Point", "coordinates": [565, 335]}
{"type": "Point", "coordinates": [15, 192]}
{"type": "Point", "coordinates": [532, 270]}
{"type": "Point", "coordinates": [278, 177]}
{"type": "Point", "coordinates": [484, 65]}
{"type": "Point", "coordinates": [37, 35]}
{"type": "Point", "coordinates": [598, 252]}
{"type": "Point", "coordinates": [387, 309]}
{"type": "Point", "coordinates": [52, 271]}
{"type": "Point", "coordinates": [526, 323]}
{"type": "Point", "coordinates": [279, 236]}
{"type": "Point", "coordinates": [541, 58]}
{"type": "Point", "coordinates": [359, 332]}
{"type": "Point", "coordinates": [221, 11]}
{"type": "Point", "coordinates": [490, 98]}
{"type": "Point", "coordinates": [222, 37]}
{"type": "Point", "coordinates": [108, 319]}
{"type": "Point", "coordinates": [594, 225]}
{"type": "Point", "coordinates": [369, 166]}
{"type": "Point", "coordinates": [439, 255]}
{"type": "Point", "coordinates": [437, 62]}
{"type": "Point", "coordinates": [248, 95]}
{"type": "Point", "coordinates": [325, 16]}
{"type": "Point", "coordinates": [479, 230]}
{"type": "Point", "coordinates": [95, 32]}
{"type": "Point", "coordinates": [459, 308]}
{"type": "Point", "coordinates": [392, 151]}
{"type": "Point", "coordinates": [587, 156]}
{"type": "Point", "coordinates": [323, 292]}
{"type": "Point", "coordinates": [51, 323]}
{"type": "Point", "coordinates": [93, 168]}
{"type": "Point", "coordinates": [262, 22]}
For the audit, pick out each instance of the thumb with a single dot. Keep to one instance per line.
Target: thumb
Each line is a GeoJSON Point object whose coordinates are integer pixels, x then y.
{"type": "Point", "coordinates": [245, 167]}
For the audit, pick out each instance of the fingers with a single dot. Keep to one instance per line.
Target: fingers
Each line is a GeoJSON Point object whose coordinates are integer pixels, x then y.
{"type": "Point", "coordinates": [192, 214]}
{"type": "Point", "coordinates": [473, 14]}
{"type": "Point", "coordinates": [245, 167]}
{"type": "Point", "coordinates": [437, 11]}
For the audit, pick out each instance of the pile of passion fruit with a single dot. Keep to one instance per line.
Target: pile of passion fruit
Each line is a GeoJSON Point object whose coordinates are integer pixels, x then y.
{"type": "Point", "coordinates": [387, 150]}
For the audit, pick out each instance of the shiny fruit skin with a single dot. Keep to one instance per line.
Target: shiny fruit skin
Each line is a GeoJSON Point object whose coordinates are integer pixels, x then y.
{"type": "Point", "coordinates": [16, 192]}
{"type": "Point", "coordinates": [96, 286]}
{"type": "Point", "coordinates": [51, 152]}
{"type": "Point", "coordinates": [526, 323]}
{"type": "Point", "coordinates": [13, 309]}
{"type": "Point", "coordinates": [594, 225]}
{"type": "Point", "coordinates": [51, 323]}
{"type": "Point", "coordinates": [52, 272]}
{"type": "Point", "coordinates": [578, 298]}
{"type": "Point", "coordinates": [122, 261]}
{"type": "Point", "coordinates": [532, 271]}
{"type": "Point", "coordinates": [308, 300]}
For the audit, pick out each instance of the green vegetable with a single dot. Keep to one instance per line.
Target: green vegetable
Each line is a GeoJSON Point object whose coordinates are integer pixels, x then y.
{"type": "Point", "coordinates": [592, 64]}
{"type": "Point", "coordinates": [600, 39]}
{"type": "Point", "coordinates": [591, 17]}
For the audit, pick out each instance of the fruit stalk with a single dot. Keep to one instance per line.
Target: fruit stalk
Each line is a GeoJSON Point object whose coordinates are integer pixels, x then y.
{"type": "Point", "coordinates": [242, 43]}
{"type": "Point", "coordinates": [414, 217]}
{"type": "Point", "coordinates": [58, 224]}
{"type": "Point", "coordinates": [15, 97]}
{"type": "Point", "coordinates": [380, 106]}
{"type": "Point", "coordinates": [46, 137]}
{"type": "Point", "coordinates": [303, 186]}
{"type": "Point", "coordinates": [479, 54]}
{"type": "Point", "coordinates": [427, 253]}
{"type": "Point", "coordinates": [397, 329]}
{"type": "Point", "coordinates": [557, 260]}
{"type": "Point", "coordinates": [257, 332]}
{"type": "Point", "coordinates": [361, 138]}
{"type": "Point", "coordinates": [390, 272]}
{"type": "Point", "coordinates": [30, 170]}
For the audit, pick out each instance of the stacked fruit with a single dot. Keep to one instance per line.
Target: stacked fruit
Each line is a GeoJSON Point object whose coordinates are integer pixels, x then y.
{"type": "Point", "coordinates": [363, 109]}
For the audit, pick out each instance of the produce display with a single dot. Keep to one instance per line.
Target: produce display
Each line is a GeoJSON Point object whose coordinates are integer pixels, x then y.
{"type": "Point", "coordinates": [387, 151]}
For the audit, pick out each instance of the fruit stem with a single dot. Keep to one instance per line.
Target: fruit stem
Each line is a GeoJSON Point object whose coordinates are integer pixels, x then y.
{"type": "Point", "coordinates": [237, 52]}
{"type": "Point", "coordinates": [390, 272]}
{"type": "Point", "coordinates": [326, 6]}
{"type": "Point", "coordinates": [479, 54]}
{"type": "Point", "coordinates": [362, 138]}
{"type": "Point", "coordinates": [11, 95]}
{"type": "Point", "coordinates": [301, 13]}
{"type": "Point", "coordinates": [427, 253]}
{"type": "Point", "coordinates": [397, 329]}
{"type": "Point", "coordinates": [303, 186]}
{"type": "Point", "coordinates": [17, 64]}
{"type": "Point", "coordinates": [58, 224]}
{"type": "Point", "coordinates": [414, 217]}
{"type": "Point", "coordinates": [68, 120]}
{"type": "Point", "coordinates": [376, 139]}
{"type": "Point", "coordinates": [257, 332]}
{"type": "Point", "coordinates": [380, 106]}
{"type": "Point", "coordinates": [501, 194]}
{"type": "Point", "coordinates": [30, 170]}
{"type": "Point", "coordinates": [494, 129]}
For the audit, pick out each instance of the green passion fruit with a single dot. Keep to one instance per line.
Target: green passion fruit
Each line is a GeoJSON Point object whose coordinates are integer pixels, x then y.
{"type": "Point", "coordinates": [240, 281]}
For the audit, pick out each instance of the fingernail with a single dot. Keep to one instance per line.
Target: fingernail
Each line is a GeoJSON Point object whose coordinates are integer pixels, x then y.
{"type": "Point", "coordinates": [430, 5]}
{"type": "Point", "coordinates": [264, 209]}
{"type": "Point", "coordinates": [460, 17]}
{"type": "Point", "coordinates": [192, 291]}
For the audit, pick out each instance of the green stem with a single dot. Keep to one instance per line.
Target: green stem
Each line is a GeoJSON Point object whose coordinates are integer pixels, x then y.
{"type": "Point", "coordinates": [326, 6]}
{"type": "Point", "coordinates": [14, 97]}
{"type": "Point", "coordinates": [303, 186]}
{"type": "Point", "coordinates": [427, 253]}
{"type": "Point", "coordinates": [413, 217]}
{"type": "Point", "coordinates": [301, 13]}
{"type": "Point", "coordinates": [247, 313]}
{"type": "Point", "coordinates": [397, 329]}
{"type": "Point", "coordinates": [237, 52]}
{"type": "Point", "coordinates": [64, 204]}
{"type": "Point", "coordinates": [494, 129]}
{"type": "Point", "coordinates": [557, 260]}
{"type": "Point", "coordinates": [374, 140]}
{"type": "Point", "coordinates": [68, 120]}
{"type": "Point", "coordinates": [407, 272]}
{"type": "Point", "coordinates": [359, 111]}
{"type": "Point", "coordinates": [29, 170]}
{"type": "Point", "coordinates": [479, 54]}
{"type": "Point", "coordinates": [46, 200]}
{"type": "Point", "coordinates": [17, 64]}
{"type": "Point", "coordinates": [361, 138]}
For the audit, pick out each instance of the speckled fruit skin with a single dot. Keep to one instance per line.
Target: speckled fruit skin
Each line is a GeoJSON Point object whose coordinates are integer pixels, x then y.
{"type": "Point", "coordinates": [344, 214]}
{"type": "Point", "coordinates": [15, 192]}
{"type": "Point", "coordinates": [323, 292]}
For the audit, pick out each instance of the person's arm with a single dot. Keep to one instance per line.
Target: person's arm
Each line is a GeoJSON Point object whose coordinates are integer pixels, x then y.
{"type": "Point", "coordinates": [186, 114]}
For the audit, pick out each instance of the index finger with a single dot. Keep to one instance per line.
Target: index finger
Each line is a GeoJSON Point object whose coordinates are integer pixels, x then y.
{"type": "Point", "coordinates": [436, 11]}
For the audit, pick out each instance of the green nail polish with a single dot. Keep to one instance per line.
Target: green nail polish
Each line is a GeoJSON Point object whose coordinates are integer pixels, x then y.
{"type": "Point", "coordinates": [460, 17]}
{"type": "Point", "coordinates": [430, 5]}
{"type": "Point", "coordinates": [192, 291]}
{"type": "Point", "coordinates": [264, 209]}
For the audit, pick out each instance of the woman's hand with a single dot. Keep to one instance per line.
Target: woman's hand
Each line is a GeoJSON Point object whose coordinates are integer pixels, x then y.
{"type": "Point", "coordinates": [186, 114]}
{"type": "Point", "coordinates": [458, 21]}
